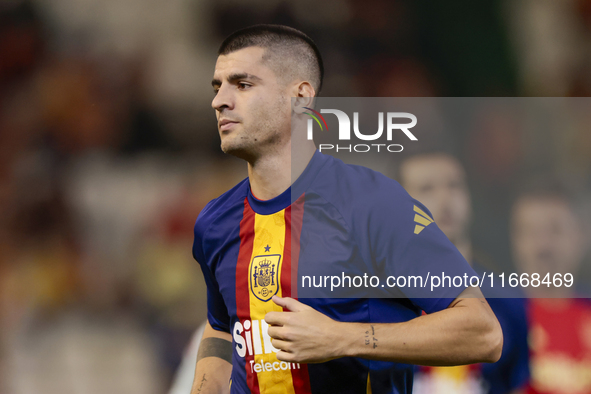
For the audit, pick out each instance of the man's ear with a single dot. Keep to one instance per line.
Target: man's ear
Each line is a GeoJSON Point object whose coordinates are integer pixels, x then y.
{"type": "Point", "coordinates": [304, 97]}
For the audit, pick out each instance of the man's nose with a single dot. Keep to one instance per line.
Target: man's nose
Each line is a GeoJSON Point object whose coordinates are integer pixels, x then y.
{"type": "Point", "coordinates": [223, 99]}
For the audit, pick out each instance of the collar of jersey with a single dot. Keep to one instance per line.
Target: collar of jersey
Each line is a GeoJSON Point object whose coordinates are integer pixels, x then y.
{"type": "Point", "coordinates": [282, 201]}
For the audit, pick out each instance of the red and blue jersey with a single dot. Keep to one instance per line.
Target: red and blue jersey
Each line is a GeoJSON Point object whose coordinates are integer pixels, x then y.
{"type": "Point", "coordinates": [336, 218]}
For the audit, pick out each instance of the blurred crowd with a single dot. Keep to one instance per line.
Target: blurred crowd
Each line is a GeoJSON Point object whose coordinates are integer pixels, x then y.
{"type": "Point", "coordinates": [109, 150]}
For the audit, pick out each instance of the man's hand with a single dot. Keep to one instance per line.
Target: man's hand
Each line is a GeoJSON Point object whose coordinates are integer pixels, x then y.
{"type": "Point", "coordinates": [464, 333]}
{"type": "Point", "coordinates": [303, 335]}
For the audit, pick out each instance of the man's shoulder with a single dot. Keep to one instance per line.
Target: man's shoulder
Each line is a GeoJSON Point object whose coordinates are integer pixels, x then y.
{"type": "Point", "coordinates": [228, 201]}
{"type": "Point", "coordinates": [348, 184]}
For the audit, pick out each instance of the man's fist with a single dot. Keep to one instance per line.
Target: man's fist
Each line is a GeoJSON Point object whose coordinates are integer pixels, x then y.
{"type": "Point", "coordinates": [304, 335]}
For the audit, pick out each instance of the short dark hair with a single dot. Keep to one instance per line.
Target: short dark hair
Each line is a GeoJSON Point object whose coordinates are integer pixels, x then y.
{"type": "Point", "coordinates": [287, 49]}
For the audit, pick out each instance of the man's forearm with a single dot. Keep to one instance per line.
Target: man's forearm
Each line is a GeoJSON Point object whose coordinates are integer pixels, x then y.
{"type": "Point", "coordinates": [462, 334]}
{"type": "Point", "coordinates": [214, 363]}
{"type": "Point", "coordinates": [212, 376]}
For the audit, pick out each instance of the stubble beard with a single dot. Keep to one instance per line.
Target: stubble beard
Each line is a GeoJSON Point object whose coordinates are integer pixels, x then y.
{"type": "Point", "coordinates": [250, 145]}
{"type": "Point", "coordinates": [255, 140]}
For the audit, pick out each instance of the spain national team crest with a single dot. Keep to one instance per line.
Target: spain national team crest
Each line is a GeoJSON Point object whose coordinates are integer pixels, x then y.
{"type": "Point", "coordinates": [264, 276]}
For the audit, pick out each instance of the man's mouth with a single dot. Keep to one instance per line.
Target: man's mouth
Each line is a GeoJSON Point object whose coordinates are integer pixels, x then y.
{"type": "Point", "coordinates": [226, 124]}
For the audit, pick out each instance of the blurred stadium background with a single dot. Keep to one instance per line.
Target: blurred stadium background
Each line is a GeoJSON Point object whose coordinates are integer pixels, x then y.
{"type": "Point", "coordinates": [109, 149]}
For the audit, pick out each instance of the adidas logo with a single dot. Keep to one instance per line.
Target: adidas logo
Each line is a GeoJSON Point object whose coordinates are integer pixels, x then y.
{"type": "Point", "coordinates": [422, 220]}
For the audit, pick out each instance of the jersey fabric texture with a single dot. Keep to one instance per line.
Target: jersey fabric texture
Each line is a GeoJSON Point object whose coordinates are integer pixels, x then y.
{"type": "Point", "coordinates": [511, 372]}
{"type": "Point", "coordinates": [335, 218]}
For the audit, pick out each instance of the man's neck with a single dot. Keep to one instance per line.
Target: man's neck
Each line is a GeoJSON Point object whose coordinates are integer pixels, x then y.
{"type": "Point", "coordinates": [272, 174]}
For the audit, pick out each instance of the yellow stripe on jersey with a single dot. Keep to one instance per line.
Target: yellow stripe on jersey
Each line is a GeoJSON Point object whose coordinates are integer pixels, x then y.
{"type": "Point", "coordinates": [421, 212]}
{"type": "Point", "coordinates": [269, 239]}
{"type": "Point", "coordinates": [422, 220]}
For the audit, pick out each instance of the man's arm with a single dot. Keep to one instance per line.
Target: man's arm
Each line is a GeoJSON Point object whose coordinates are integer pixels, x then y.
{"type": "Point", "coordinates": [466, 332]}
{"type": "Point", "coordinates": [214, 363]}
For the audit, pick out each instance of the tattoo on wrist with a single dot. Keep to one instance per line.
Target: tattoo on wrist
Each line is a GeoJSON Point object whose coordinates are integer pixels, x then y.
{"type": "Point", "coordinates": [203, 380]}
{"type": "Point", "coordinates": [215, 347]}
{"type": "Point", "coordinates": [370, 337]}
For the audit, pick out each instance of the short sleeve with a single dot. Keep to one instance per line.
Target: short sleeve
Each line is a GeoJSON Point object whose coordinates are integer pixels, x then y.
{"type": "Point", "coordinates": [406, 243]}
{"type": "Point", "coordinates": [217, 312]}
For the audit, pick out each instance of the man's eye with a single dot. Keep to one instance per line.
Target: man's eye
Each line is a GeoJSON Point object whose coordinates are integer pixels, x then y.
{"type": "Point", "coordinates": [242, 85]}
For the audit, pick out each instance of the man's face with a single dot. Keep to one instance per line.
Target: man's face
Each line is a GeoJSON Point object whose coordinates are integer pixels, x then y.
{"type": "Point", "coordinates": [438, 181]}
{"type": "Point", "coordinates": [546, 236]}
{"type": "Point", "coordinates": [252, 106]}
